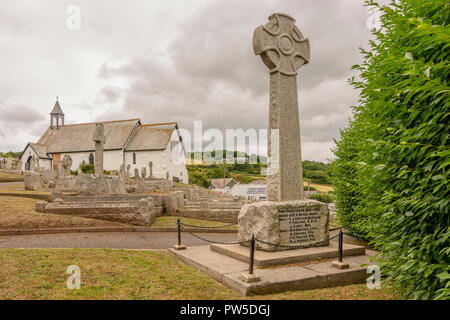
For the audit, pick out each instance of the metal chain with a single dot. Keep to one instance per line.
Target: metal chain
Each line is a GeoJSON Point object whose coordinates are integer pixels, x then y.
{"type": "Point", "coordinates": [200, 227]}
{"type": "Point", "coordinates": [297, 246]}
{"type": "Point", "coordinates": [261, 241]}
{"type": "Point", "coordinates": [216, 242]}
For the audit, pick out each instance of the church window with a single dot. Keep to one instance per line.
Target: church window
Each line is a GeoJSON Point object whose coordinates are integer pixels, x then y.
{"type": "Point", "coordinates": [91, 158]}
{"type": "Point", "coordinates": [134, 157]}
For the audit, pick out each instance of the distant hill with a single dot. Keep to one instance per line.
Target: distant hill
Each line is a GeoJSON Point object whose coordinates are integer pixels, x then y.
{"type": "Point", "coordinates": [201, 173]}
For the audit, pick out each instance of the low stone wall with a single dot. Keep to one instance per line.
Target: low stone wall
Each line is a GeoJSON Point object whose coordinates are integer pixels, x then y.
{"type": "Point", "coordinates": [221, 215]}
{"type": "Point", "coordinates": [109, 198]}
{"type": "Point", "coordinates": [140, 213]}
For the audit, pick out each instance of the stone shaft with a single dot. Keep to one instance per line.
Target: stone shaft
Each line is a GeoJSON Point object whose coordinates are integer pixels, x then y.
{"type": "Point", "coordinates": [98, 157]}
{"type": "Point", "coordinates": [284, 178]}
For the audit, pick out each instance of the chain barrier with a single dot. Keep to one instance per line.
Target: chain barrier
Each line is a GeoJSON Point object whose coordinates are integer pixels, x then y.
{"type": "Point", "coordinates": [253, 240]}
{"type": "Point", "coordinates": [260, 241]}
{"type": "Point", "coordinates": [213, 241]}
{"type": "Point", "coordinates": [200, 227]}
{"type": "Point", "coordinates": [299, 246]}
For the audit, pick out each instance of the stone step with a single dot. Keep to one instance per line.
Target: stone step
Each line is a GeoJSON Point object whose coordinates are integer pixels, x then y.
{"type": "Point", "coordinates": [229, 271]}
{"type": "Point", "coordinates": [264, 259]}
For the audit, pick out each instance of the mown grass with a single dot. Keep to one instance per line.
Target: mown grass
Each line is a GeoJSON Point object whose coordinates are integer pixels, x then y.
{"type": "Point", "coordinates": [20, 188]}
{"type": "Point", "coordinates": [128, 274]}
{"type": "Point", "coordinates": [10, 177]}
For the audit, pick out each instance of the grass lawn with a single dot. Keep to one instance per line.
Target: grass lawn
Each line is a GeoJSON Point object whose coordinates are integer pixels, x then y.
{"type": "Point", "coordinates": [10, 177]}
{"type": "Point", "coordinates": [19, 213]}
{"type": "Point", "coordinates": [20, 188]}
{"type": "Point", "coordinates": [128, 274]}
{"type": "Point", "coordinates": [165, 222]}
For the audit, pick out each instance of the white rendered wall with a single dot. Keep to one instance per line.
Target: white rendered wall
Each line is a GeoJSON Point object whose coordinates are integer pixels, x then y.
{"type": "Point", "coordinates": [171, 160]}
{"type": "Point", "coordinates": [45, 163]}
{"type": "Point", "coordinates": [111, 159]}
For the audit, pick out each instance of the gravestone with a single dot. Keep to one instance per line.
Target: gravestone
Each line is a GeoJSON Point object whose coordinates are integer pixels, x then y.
{"type": "Point", "coordinates": [136, 174]}
{"type": "Point", "coordinates": [66, 164]}
{"type": "Point", "coordinates": [122, 172]}
{"type": "Point", "coordinates": [127, 174]}
{"type": "Point", "coordinates": [144, 173]}
{"type": "Point", "coordinates": [286, 219]}
{"type": "Point", "coordinates": [60, 169]}
{"type": "Point", "coordinates": [32, 181]}
{"type": "Point", "coordinates": [100, 139]}
{"type": "Point", "coordinates": [150, 165]}
{"type": "Point", "coordinates": [33, 163]}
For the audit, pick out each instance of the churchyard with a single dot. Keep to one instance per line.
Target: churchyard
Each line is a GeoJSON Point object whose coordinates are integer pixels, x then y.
{"type": "Point", "coordinates": [131, 227]}
{"type": "Point", "coordinates": [288, 232]}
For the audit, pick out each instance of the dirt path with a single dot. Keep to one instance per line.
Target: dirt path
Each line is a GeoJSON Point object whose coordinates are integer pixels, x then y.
{"type": "Point", "coordinates": [118, 240]}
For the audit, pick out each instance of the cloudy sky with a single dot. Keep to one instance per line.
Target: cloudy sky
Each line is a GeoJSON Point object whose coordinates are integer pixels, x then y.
{"type": "Point", "coordinates": [171, 60]}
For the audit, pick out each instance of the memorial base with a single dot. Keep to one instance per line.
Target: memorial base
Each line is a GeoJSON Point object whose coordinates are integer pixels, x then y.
{"type": "Point", "coordinates": [284, 225]}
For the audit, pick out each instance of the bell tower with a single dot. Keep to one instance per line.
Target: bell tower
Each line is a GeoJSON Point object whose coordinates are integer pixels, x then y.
{"type": "Point", "coordinates": [58, 115]}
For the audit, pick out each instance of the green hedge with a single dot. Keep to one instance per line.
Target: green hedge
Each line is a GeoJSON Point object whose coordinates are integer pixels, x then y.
{"type": "Point", "coordinates": [391, 171]}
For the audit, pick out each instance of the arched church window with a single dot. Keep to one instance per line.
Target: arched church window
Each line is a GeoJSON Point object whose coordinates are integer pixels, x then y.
{"type": "Point", "coordinates": [134, 157]}
{"type": "Point", "coordinates": [91, 158]}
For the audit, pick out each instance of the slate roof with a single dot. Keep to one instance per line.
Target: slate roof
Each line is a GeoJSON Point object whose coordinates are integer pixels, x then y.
{"type": "Point", "coordinates": [78, 137]}
{"type": "Point", "coordinates": [152, 137]}
{"type": "Point", "coordinates": [41, 150]}
{"type": "Point", "coordinates": [221, 183]}
{"type": "Point", "coordinates": [119, 136]}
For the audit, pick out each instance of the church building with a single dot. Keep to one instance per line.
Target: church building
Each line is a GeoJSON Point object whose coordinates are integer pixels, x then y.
{"type": "Point", "coordinates": [128, 142]}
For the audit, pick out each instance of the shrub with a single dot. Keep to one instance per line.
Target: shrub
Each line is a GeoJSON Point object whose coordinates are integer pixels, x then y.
{"type": "Point", "coordinates": [391, 173]}
{"type": "Point", "coordinates": [322, 197]}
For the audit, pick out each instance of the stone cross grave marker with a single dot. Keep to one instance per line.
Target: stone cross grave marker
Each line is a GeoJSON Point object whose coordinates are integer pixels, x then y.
{"type": "Point", "coordinates": [150, 165]}
{"type": "Point", "coordinates": [283, 49]}
{"type": "Point", "coordinates": [100, 140]}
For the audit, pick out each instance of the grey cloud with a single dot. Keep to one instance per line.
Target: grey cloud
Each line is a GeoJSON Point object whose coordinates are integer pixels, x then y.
{"type": "Point", "coordinates": [178, 61]}
{"type": "Point", "coordinates": [20, 114]}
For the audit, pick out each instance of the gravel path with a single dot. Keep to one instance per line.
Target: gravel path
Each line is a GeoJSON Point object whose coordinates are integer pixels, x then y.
{"type": "Point", "coordinates": [118, 240]}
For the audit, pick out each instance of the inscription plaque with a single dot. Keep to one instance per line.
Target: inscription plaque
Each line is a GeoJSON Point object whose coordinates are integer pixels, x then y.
{"type": "Point", "coordinates": [300, 225]}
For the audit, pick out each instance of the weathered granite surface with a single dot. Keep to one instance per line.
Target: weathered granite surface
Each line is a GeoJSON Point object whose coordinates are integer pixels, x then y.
{"type": "Point", "coordinates": [32, 181]}
{"type": "Point", "coordinates": [140, 213]}
{"type": "Point", "coordinates": [101, 185]}
{"type": "Point", "coordinates": [286, 223]}
{"type": "Point", "coordinates": [283, 49]}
